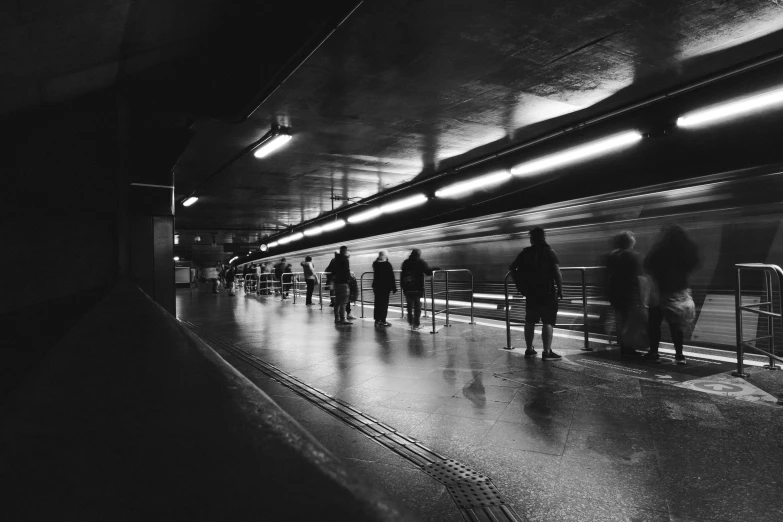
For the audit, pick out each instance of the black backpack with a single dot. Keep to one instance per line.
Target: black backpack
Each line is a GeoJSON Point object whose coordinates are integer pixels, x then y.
{"type": "Point", "coordinates": [532, 274]}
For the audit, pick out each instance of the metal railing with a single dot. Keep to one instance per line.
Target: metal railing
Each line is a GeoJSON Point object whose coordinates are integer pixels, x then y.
{"type": "Point", "coordinates": [251, 283]}
{"type": "Point", "coordinates": [293, 284]}
{"type": "Point", "coordinates": [399, 286]}
{"type": "Point", "coordinates": [768, 272]}
{"type": "Point", "coordinates": [321, 278]}
{"type": "Point", "coordinates": [582, 270]}
{"type": "Point", "coordinates": [446, 292]}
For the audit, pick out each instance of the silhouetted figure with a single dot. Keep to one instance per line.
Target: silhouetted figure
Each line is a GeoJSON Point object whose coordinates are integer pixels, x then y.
{"type": "Point", "coordinates": [310, 278]}
{"type": "Point", "coordinates": [383, 283]}
{"type": "Point", "coordinates": [623, 269]}
{"type": "Point", "coordinates": [412, 281]}
{"type": "Point", "coordinates": [672, 259]}
{"type": "Point", "coordinates": [536, 272]}
{"type": "Point", "coordinates": [340, 276]}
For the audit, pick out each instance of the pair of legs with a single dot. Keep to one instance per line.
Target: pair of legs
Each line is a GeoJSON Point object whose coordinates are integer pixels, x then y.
{"type": "Point", "coordinates": [546, 335]}
{"type": "Point", "coordinates": [540, 309]}
{"type": "Point", "coordinates": [310, 287]}
{"type": "Point", "coordinates": [655, 319]}
{"type": "Point", "coordinates": [381, 308]}
{"type": "Point", "coordinates": [341, 294]}
{"type": "Point", "coordinates": [214, 286]}
{"type": "Point", "coordinates": [414, 307]}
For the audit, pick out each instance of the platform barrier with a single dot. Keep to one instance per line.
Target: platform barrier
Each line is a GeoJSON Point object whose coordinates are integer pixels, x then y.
{"type": "Point", "coordinates": [769, 272]}
{"type": "Point", "coordinates": [322, 286]}
{"type": "Point", "coordinates": [397, 278]}
{"type": "Point", "coordinates": [447, 292]}
{"type": "Point", "coordinates": [567, 289]}
{"type": "Point", "coordinates": [250, 283]}
{"type": "Point", "coordinates": [292, 285]}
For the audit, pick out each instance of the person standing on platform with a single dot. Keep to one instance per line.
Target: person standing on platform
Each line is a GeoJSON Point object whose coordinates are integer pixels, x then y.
{"type": "Point", "coordinates": [383, 283]}
{"type": "Point", "coordinates": [623, 269]}
{"type": "Point", "coordinates": [279, 268]}
{"type": "Point", "coordinates": [669, 263]}
{"type": "Point", "coordinates": [211, 275]}
{"type": "Point", "coordinates": [412, 281]}
{"type": "Point", "coordinates": [229, 275]}
{"type": "Point", "coordinates": [340, 277]}
{"type": "Point", "coordinates": [291, 280]}
{"type": "Point", "coordinates": [536, 272]}
{"type": "Point", "coordinates": [310, 279]}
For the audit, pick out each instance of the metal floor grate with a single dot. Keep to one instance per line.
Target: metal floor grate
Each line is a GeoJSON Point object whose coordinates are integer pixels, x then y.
{"type": "Point", "coordinates": [475, 495]}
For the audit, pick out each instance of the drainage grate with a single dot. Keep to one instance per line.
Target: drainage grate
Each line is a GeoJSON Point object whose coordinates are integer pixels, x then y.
{"type": "Point", "coordinates": [470, 495]}
{"type": "Point", "coordinates": [450, 472]}
{"type": "Point", "coordinates": [475, 495]}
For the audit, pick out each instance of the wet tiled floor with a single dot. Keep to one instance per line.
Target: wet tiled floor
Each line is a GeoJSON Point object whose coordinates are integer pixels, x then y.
{"type": "Point", "coordinates": [561, 441]}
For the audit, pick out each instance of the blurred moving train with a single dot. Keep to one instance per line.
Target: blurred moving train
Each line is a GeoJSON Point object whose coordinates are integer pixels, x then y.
{"type": "Point", "coordinates": [733, 217]}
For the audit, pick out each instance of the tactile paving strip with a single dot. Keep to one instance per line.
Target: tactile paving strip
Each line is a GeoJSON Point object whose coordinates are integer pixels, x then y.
{"type": "Point", "coordinates": [475, 495]}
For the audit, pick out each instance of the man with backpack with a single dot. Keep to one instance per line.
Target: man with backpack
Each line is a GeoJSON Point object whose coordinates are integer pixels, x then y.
{"type": "Point", "coordinates": [536, 272]}
{"type": "Point", "coordinates": [412, 281]}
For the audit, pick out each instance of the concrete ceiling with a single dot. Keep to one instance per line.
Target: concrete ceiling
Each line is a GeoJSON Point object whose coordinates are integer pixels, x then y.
{"type": "Point", "coordinates": [405, 89]}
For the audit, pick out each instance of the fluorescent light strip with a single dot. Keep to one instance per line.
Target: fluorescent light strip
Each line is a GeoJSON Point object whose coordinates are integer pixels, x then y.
{"type": "Point", "coordinates": [273, 244]}
{"type": "Point", "coordinates": [731, 109]}
{"type": "Point", "coordinates": [271, 145]}
{"type": "Point", "coordinates": [465, 304]}
{"type": "Point", "coordinates": [314, 231]}
{"type": "Point", "coordinates": [588, 150]}
{"type": "Point", "coordinates": [464, 187]}
{"type": "Point", "coordinates": [189, 201]}
{"type": "Point", "coordinates": [403, 204]}
{"type": "Point", "coordinates": [365, 216]}
{"type": "Point", "coordinates": [333, 225]}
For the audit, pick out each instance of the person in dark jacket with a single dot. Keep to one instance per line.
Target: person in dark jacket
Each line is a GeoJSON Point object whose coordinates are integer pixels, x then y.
{"type": "Point", "coordinates": [412, 281]}
{"type": "Point", "coordinates": [229, 275]}
{"type": "Point", "coordinates": [279, 268]}
{"type": "Point", "coordinates": [536, 272]}
{"type": "Point", "coordinates": [291, 281]}
{"type": "Point", "coordinates": [383, 283]}
{"type": "Point", "coordinates": [669, 263]}
{"type": "Point", "coordinates": [340, 276]}
{"type": "Point", "coordinates": [623, 268]}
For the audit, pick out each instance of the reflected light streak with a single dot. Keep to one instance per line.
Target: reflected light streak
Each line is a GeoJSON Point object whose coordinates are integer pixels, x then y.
{"type": "Point", "coordinates": [588, 150]}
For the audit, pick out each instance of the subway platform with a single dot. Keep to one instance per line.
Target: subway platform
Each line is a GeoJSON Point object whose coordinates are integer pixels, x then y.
{"type": "Point", "coordinates": [455, 428]}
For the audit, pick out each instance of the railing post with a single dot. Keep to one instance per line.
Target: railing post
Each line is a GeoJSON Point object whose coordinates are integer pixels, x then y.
{"type": "Point", "coordinates": [432, 298]}
{"type": "Point", "coordinates": [447, 298]}
{"type": "Point", "coordinates": [770, 321]}
{"type": "Point", "coordinates": [424, 295]}
{"type": "Point", "coordinates": [402, 299]}
{"type": "Point", "coordinates": [471, 298]}
{"type": "Point", "coordinates": [508, 318]}
{"type": "Point", "coordinates": [321, 291]}
{"type": "Point", "coordinates": [295, 287]}
{"type": "Point", "coordinates": [738, 322]}
{"type": "Point", "coordinates": [584, 311]}
{"type": "Point", "coordinates": [361, 294]}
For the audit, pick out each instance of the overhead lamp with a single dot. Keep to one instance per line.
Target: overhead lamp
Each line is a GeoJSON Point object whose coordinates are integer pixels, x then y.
{"type": "Point", "coordinates": [365, 216]}
{"type": "Point", "coordinates": [273, 244]}
{"type": "Point", "coordinates": [588, 150]}
{"type": "Point", "coordinates": [176, 239]}
{"type": "Point", "coordinates": [233, 259]}
{"type": "Point", "coordinates": [189, 201]}
{"type": "Point", "coordinates": [289, 239]}
{"type": "Point", "coordinates": [263, 248]}
{"type": "Point", "coordinates": [176, 258]}
{"type": "Point", "coordinates": [276, 139]}
{"type": "Point", "coordinates": [404, 203]}
{"type": "Point", "coordinates": [731, 109]}
{"type": "Point", "coordinates": [313, 231]}
{"type": "Point", "coordinates": [197, 238]}
{"type": "Point", "coordinates": [333, 225]}
{"type": "Point", "coordinates": [464, 187]}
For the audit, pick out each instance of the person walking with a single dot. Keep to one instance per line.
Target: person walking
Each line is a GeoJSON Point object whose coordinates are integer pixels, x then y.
{"type": "Point", "coordinates": [536, 272]}
{"type": "Point", "coordinates": [383, 283]}
{"type": "Point", "coordinates": [672, 259]}
{"type": "Point", "coordinates": [412, 281]}
{"type": "Point", "coordinates": [340, 276]}
{"type": "Point", "coordinates": [310, 279]}
{"type": "Point", "coordinates": [623, 269]}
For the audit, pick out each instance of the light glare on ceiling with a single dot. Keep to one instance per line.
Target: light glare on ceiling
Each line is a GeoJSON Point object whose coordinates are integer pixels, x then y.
{"type": "Point", "coordinates": [731, 109]}
{"type": "Point", "coordinates": [588, 150]}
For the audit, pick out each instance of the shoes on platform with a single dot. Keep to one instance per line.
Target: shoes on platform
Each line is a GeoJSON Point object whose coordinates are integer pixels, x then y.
{"type": "Point", "coordinates": [530, 353]}
{"type": "Point", "coordinates": [345, 322]}
{"type": "Point", "coordinates": [652, 358]}
{"type": "Point", "coordinates": [384, 324]}
{"type": "Point", "coordinates": [351, 318]}
{"type": "Point", "coordinates": [551, 356]}
{"type": "Point", "coordinates": [680, 359]}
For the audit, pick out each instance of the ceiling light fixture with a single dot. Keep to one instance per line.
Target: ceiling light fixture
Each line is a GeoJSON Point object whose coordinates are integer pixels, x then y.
{"type": "Point", "coordinates": [333, 225]}
{"type": "Point", "coordinates": [277, 137]}
{"type": "Point", "coordinates": [464, 187]}
{"type": "Point", "coordinates": [273, 244]}
{"type": "Point", "coordinates": [291, 238]}
{"type": "Point", "coordinates": [189, 201]}
{"type": "Point", "coordinates": [580, 152]}
{"type": "Point", "coordinates": [731, 109]}
{"type": "Point", "coordinates": [263, 248]}
{"type": "Point", "coordinates": [314, 231]}
{"type": "Point", "coordinates": [365, 216]}
{"type": "Point", "coordinates": [176, 258]}
{"type": "Point", "coordinates": [405, 203]}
